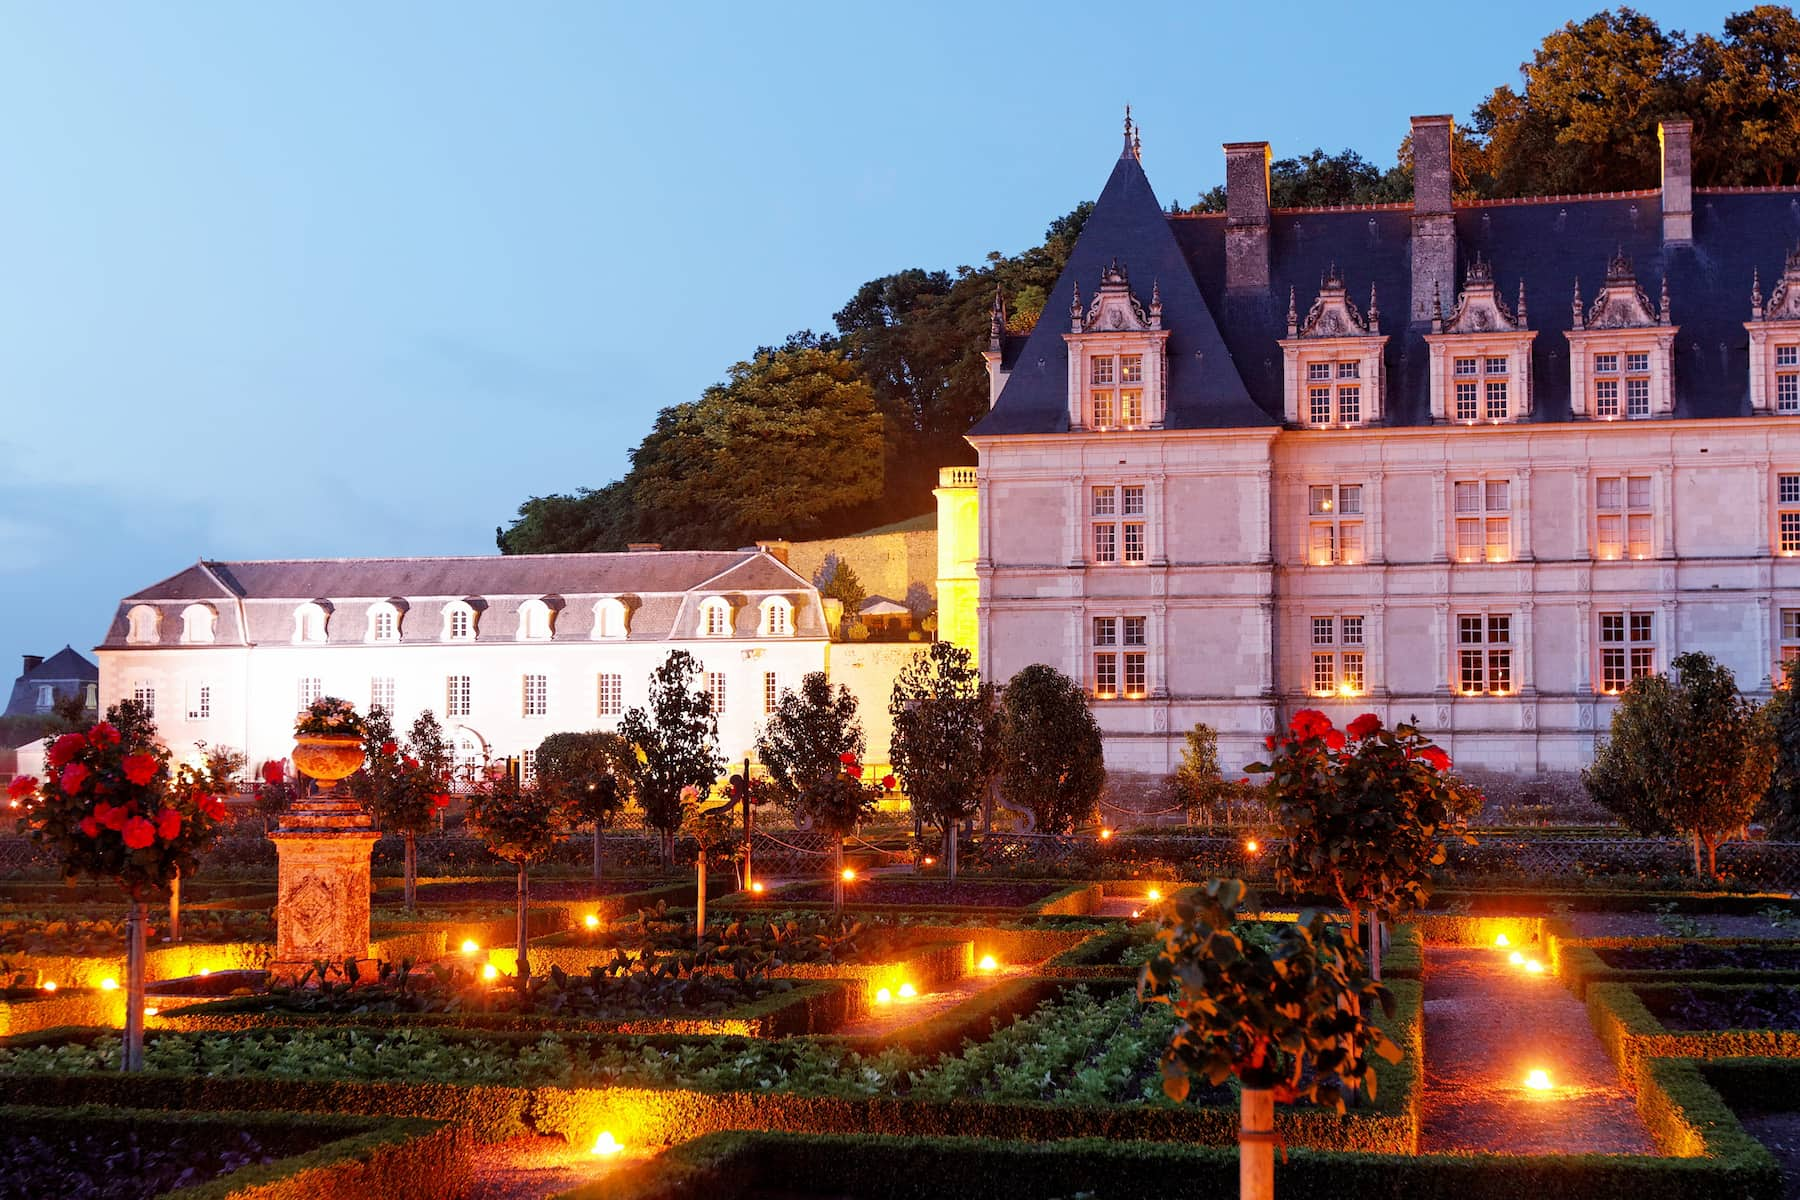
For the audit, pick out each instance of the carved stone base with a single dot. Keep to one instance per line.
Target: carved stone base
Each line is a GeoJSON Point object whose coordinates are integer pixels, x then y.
{"type": "Point", "coordinates": [287, 974]}
{"type": "Point", "coordinates": [322, 912]}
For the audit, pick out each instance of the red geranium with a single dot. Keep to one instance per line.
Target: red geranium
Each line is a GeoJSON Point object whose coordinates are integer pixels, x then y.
{"type": "Point", "coordinates": [275, 770]}
{"type": "Point", "coordinates": [73, 776]}
{"type": "Point", "coordinates": [1436, 757]}
{"type": "Point", "coordinates": [90, 827]}
{"type": "Point", "coordinates": [140, 768]}
{"type": "Point", "coordinates": [440, 801]}
{"type": "Point", "coordinates": [103, 734]}
{"type": "Point", "coordinates": [847, 758]}
{"type": "Point", "coordinates": [1364, 726]}
{"type": "Point", "coordinates": [887, 783]}
{"type": "Point", "coordinates": [390, 748]}
{"type": "Point", "coordinates": [112, 816]}
{"type": "Point", "coordinates": [1310, 723]}
{"type": "Point", "coordinates": [1334, 739]}
{"type": "Point", "coordinates": [22, 787]}
{"type": "Point", "coordinates": [65, 748]}
{"type": "Point", "coordinates": [210, 806]}
{"type": "Point", "coordinates": [853, 772]}
{"type": "Point", "coordinates": [139, 834]}
{"type": "Point", "coordinates": [168, 824]}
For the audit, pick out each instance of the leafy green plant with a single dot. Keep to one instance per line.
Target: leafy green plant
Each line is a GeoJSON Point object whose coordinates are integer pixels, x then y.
{"type": "Point", "coordinates": [1051, 761]}
{"type": "Point", "coordinates": [676, 743]}
{"type": "Point", "coordinates": [946, 739]}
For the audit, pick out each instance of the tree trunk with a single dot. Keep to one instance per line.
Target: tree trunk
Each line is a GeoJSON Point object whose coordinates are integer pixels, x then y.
{"type": "Point", "coordinates": [1256, 1144]}
{"type": "Point", "coordinates": [1374, 945]}
{"type": "Point", "coordinates": [952, 856]}
{"type": "Point", "coordinates": [837, 878]}
{"type": "Point", "coordinates": [1355, 924]}
{"type": "Point", "coordinates": [134, 988]}
{"type": "Point", "coordinates": [412, 869]}
{"type": "Point", "coordinates": [597, 832]}
{"type": "Point", "coordinates": [1712, 859]}
{"type": "Point", "coordinates": [524, 964]}
{"type": "Point", "coordinates": [175, 908]}
{"type": "Point", "coordinates": [700, 901]}
{"type": "Point", "coordinates": [1697, 872]}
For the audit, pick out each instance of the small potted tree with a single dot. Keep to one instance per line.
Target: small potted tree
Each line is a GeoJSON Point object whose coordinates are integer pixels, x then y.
{"type": "Point", "coordinates": [1292, 1023]}
{"type": "Point", "coordinates": [519, 823]}
{"type": "Point", "coordinates": [111, 807]}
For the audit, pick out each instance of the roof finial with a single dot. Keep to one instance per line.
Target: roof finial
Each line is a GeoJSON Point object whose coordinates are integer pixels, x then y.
{"type": "Point", "coordinates": [1130, 144]}
{"type": "Point", "coordinates": [1756, 307]}
{"type": "Point", "coordinates": [1075, 311]}
{"type": "Point", "coordinates": [1156, 304]}
{"type": "Point", "coordinates": [1374, 312]}
{"type": "Point", "coordinates": [1437, 308]}
{"type": "Point", "coordinates": [1293, 315]}
{"type": "Point", "coordinates": [1521, 302]}
{"type": "Point", "coordinates": [1662, 318]}
{"type": "Point", "coordinates": [997, 319]}
{"type": "Point", "coordinates": [1577, 321]}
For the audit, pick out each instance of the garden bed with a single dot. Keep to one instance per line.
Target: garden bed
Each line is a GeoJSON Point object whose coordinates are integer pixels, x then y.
{"type": "Point", "coordinates": [1626, 1017]}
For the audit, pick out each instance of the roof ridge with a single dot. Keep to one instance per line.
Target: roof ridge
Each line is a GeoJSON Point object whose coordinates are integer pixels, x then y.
{"type": "Point", "coordinates": [265, 562]}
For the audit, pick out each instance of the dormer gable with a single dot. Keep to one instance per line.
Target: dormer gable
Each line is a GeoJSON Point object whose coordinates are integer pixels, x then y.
{"type": "Point", "coordinates": [1480, 353]}
{"type": "Point", "coordinates": [1117, 356]}
{"type": "Point", "coordinates": [1333, 365]}
{"type": "Point", "coordinates": [1621, 349]}
{"type": "Point", "coordinates": [1774, 330]}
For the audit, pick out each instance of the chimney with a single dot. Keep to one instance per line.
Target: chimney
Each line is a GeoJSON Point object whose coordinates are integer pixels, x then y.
{"type": "Point", "coordinates": [1677, 138]}
{"type": "Point", "coordinates": [776, 549]}
{"type": "Point", "coordinates": [1433, 224]}
{"type": "Point", "coordinates": [1246, 216]}
{"type": "Point", "coordinates": [32, 663]}
{"type": "Point", "coordinates": [643, 547]}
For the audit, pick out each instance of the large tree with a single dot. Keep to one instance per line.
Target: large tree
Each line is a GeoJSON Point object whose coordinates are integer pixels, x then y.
{"type": "Point", "coordinates": [1051, 761]}
{"type": "Point", "coordinates": [677, 745]}
{"type": "Point", "coordinates": [1781, 804]}
{"type": "Point", "coordinates": [945, 745]}
{"type": "Point", "coordinates": [812, 746]}
{"type": "Point", "coordinates": [589, 776]}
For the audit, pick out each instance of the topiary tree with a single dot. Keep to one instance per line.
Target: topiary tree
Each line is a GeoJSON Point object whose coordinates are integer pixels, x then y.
{"type": "Point", "coordinates": [402, 793]}
{"type": "Point", "coordinates": [1689, 749]}
{"type": "Point", "coordinates": [1781, 803]}
{"type": "Point", "coordinates": [1364, 815]}
{"type": "Point", "coordinates": [837, 580]}
{"type": "Point", "coordinates": [811, 746]}
{"type": "Point", "coordinates": [589, 775]}
{"type": "Point", "coordinates": [677, 745]}
{"type": "Point", "coordinates": [1051, 760]}
{"type": "Point", "coordinates": [945, 744]}
{"type": "Point", "coordinates": [1196, 781]}
{"type": "Point", "coordinates": [519, 823]}
{"type": "Point", "coordinates": [1292, 1023]}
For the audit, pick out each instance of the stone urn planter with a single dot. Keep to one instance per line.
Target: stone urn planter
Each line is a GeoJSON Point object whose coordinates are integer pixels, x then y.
{"type": "Point", "coordinates": [323, 846]}
{"type": "Point", "coordinates": [327, 759]}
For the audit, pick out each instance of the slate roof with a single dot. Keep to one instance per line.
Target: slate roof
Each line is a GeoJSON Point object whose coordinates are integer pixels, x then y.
{"type": "Point", "coordinates": [67, 667]}
{"type": "Point", "coordinates": [1548, 242]}
{"type": "Point", "coordinates": [256, 601]}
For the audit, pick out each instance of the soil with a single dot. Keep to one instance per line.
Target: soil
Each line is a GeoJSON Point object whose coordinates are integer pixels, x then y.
{"type": "Point", "coordinates": [1773, 1007]}
{"type": "Point", "coordinates": [1613, 924]}
{"type": "Point", "coordinates": [1694, 957]}
{"type": "Point", "coordinates": [546, 889]}
{"type": "Point", "coordinates": [109, 1163]}
{"type": "Point", "coordinates": [1780, 1132]}
{"type": "Point", "coordinates": [928, 892]}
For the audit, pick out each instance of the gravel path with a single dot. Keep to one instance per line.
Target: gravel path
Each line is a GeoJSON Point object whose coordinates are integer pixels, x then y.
{"type": "Point", "coordinates": [1487, 1023]}
{"type": "Point", "coordinates": [532, 1168]}
{"type": "Point", "coordinates": [889, 1017]}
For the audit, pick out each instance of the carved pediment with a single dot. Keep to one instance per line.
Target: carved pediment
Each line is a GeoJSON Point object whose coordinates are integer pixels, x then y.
{"type": "Point", "coordinates": [1333, 313]}
{"type": "Point", "coordinates": [1479, 307]}
{"type": "Point", "coordinates": [1115, 307]}
{"type": "Point", "coordinates": [1621, 303]}
{"type": "Point", "coordinates": [1784, 299]}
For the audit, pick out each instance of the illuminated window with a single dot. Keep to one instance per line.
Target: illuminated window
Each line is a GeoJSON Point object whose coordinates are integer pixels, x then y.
{"type": "Point", "coordinates": [1120, 642]}
{"type": "Point", "coordinates": [309, 623]}
{"type": "Point", "coordinates": [715, 617]}
{"type": "Point", "coordinates": [715, 691]}
{"type": "Point", "coordinates": [1787, 513]}
{"type": "Point", "coordinates": [777, 618]}
{"type": "Point", "coordinates": [1484, 653]}
{"type": "Point", "coordinates": [612, 695]}
{"type": "Point", "coordinates": [311, 688]}
{"type": "Point", "coordinates": [459, 622]}
{"type": "Point", "coordinates": [1334, 524]}
{"type": "Point", "coordinates": [381, 693]}
{"type": "Point", "coordinates": [1627, 649]}
{"type": "Point", "coordinates": [1483, 520]}
{"type": "Point", "coordinates": [200, 702]}
{"type": "Point", "coordinates": [1334, 392]}
{"type": "Point", "coordinates": [537, 695]}
{"type": "Point", "coordinates": [457, 695]}
{"type": "Point", "coordinates": [1622, 516]}
{"type": "Point", "coordinates": [1790, 637]}
{"type": "Point", "coordinates": [141, 624]}
{"type": "Point", "coordinates": [1787, 379]}
{"type": "Point", "coordinates": [771, 691]}
{"type": "Point", "coordinates": [1480, 388]}
{"type": "Point", "coordinates": [1337, 655]}
{"type": "Point", "coordinates": [1118, 532]}
{"type": "Point", "coordinates": [145, 695]}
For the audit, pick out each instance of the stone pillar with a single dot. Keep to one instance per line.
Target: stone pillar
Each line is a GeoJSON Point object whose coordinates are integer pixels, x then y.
{"type": "Point", "coordinates": [322, 912]}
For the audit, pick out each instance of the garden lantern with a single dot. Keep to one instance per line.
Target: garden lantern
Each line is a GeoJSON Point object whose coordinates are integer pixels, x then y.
{"type": "Point", "coordinates": [987, 962]}
{"type": "Point", "coordinates": [606, 1144]}
{"type": "Point", "coordinates": [1537, 1079]}
{"type": "Point", "coordinates": [471, 947]}
{"type": "Point", "coordinates": [907, 991]}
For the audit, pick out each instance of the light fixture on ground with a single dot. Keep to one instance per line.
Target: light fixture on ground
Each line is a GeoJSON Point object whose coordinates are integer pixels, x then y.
{"type": "Point", "coordinates": [606, 1144]}
{"type": "Point", "coordinates": [884, 996]}
{"type": "Point", "coordinates": [1153, 895]}
{"type": "Point", "coordinates": [471, 947]}
{"type": "Point", "coordinates": [1500, 939]}
{"type": "Point", "coordinates": [49, 985]}
{"type": "Point", "coordinates": [1533, 967]}
{"type": "Point", "coordinates": [1250, 846]}
{"type": "Point", "coordinates": [1516, 958]}
{"type": "Point", "coordinates": [849, 874]}
{"type": "Point", "coordinates": [1537, 1079]}
{"type": "Point", "coordinates": [757, 888]}
{"type": "Point", "coordinates": [109, 984]}
{"type": "Point", "coordinates": [490, 971]}
{"type": "Point", "coordinates": [1106, 835]}
{"type": "Point", "coordinates": [987, 962]}
{"type": "Point", "coordinates": [908, 991]}
{"type": "Point", "coordinates": [591, 921]}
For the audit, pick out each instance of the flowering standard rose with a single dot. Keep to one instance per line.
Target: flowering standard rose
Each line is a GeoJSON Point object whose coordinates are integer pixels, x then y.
{"type": "Point", "coordinates": [113, 808]}
{"type": "Point", "coordinates": [1364, 812]}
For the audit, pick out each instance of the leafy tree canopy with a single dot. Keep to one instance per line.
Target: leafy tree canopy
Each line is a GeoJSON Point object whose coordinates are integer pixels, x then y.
{"type": "Point", "coordinates": [676, 740]}
{"type": "Point", "coordinates": [946, 733]}
{"type": "Point", "coordinates": [804, 746]}
{"type": "Point", "coordinates": [588, 774]}
{"type": "Point", "coordinates": [1051, 760]}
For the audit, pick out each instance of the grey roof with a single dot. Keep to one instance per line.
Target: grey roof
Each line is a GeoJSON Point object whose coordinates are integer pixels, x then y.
{"type": "Point", "coordinates": [255, 602]}
{"type": "Point", "coordinates": [1547, 242]}
{"type": "Point", "coordinates": [67, 670]}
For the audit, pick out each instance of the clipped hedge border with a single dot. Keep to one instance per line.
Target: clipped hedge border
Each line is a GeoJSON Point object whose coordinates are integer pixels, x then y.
{"type": "Point", "coordinates": [1630, 1032]}
{"type": "Point", "coordinates": [1068, 900]}
{"type": "Point", "coordinates": [1539, 902]}
{"type": "Point", "coordinates": [1458, 929]}
{"type": "Point", "coordinates": [62, 1008]}
{"type": "Point", "coordinates": [175, 960]}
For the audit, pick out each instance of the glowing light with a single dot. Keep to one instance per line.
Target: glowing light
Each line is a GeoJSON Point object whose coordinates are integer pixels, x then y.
{"type": "Point", "coordinates": [109, 984]}
{"type": "Point", "coordinates": [1153, 895]}
{"type": "Point", "coordinates": [1516, 958]}
{"type": "Point", "coordinates": [987, 963]}
{"type": "Point", "coordinates": [1134, 913]}
{"type": "Point", "coordinates": [849, 874]}
{"type": "Point", "coordinates": [1500, 939]}
{"type": "Point", "coordinates": [1537, 1079]}
{"type": "Point", "coordinates": [1106, 835]}
{"type": "Point", "coordinates": [607, 1144]}
{"type": "Point", "coordinates": [149, 1012]}
{"type": "Point", "coordinates": [1533, 967]}
{"type": "Point", "coordinates": [205, 971]}
{"type": "Point", "coordinates": [884, 996]}
{"type": "Point", "coordinates": [490, 971]}
{"type": "Point", "coordinates": [1345, 689]}
{"type": "Point", "coordinates": [930, 861]}
{"type": "Point", "coordinates": [471, 947]}
{"type": "Point", "coordinates": [49, 985]}
{"type": "Point", "coordinates": [591, 921]}
{"type": "Point", "coordinates": [757, 888]}
{"type": "Point", "coordinates": [908, 991]}
{"type": "Point", "coordinates": [1250, 846]}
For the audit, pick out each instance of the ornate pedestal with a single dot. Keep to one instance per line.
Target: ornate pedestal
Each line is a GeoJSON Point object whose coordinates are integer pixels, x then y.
{"type": "Point", "coordinates": [323, 845]}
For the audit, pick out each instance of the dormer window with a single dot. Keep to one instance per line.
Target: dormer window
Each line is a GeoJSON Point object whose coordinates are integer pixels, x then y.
{"type": "Point", "coordinates": [1480, 354]}
{"type": "Point", "coordinates": [309, 623]}
{"type": "Point", "coordinates": [1116, 357]}
{"type": "Point", "coordinates": [777, 618]}
{"type": "Point", "coordinates": [141, 625]}
{"type": "Point", "coordinates": [1775, 343]}
{"type": "Point", "coordinates": [534, 621]}
{"type": "Point", "coordinates": [197, 624]}
{"type": "Point", "coordinates": [715, 618]}
{"type": "Point", "coordinates": [609, 618]}
{"type": "Point", "coordinates": [1621, 351]}
{"type": "Point", "coordinates": [459, 621]}
{"type": "Point", "coordinates": [1333, 359]}
{"type": "Point", "coordinates": [384, 622]}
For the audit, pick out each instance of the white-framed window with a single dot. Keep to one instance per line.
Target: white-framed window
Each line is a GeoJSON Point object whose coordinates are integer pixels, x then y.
{"type": "Point", "coordinates": [777, 618]}
{"type": "Point", "coordinates": [1334, 392]}
{"type": "Point", "coordinates": [145, 695]}
{"type": "Point", "coordinates": [537, 695]}
{"type": "Point", "coordinates": [1621, 382]}
{"type": "Point", "coordinates": [384, 622]}
{"type": "Point", "coordinates": [309, 623]}
{"type": "Point", "coordinates": [1787, 379]}
{"type": "Point", "coordinates": [609, 618]}
{"type": "Point", "coordinates": [1483, 520]}
{"type": "Point", "coordinates": [1116, 391]}
{"type": "Point", "coordinates": [611, 689]}
{"type": "Point", "coordinates": [458, 695]}
{"type": "Point", "coordinates": [1623, 511]}
{"type": "Point", "coordinates": [771, 691]}
{"type": "Point", "coordinates": [715, 688]}
{"type": "Point", "coordinates": [1337, 655]}
{"type": "Point", "coordinates": [1790, 637]}
{"type": "Point", "coordinates": [528, 766]}
{"type": "Point", "coordinates": [197, 622]}
{"type": "Point", "coordinates": [459, 622]}
{"type": "Point", "coordinates": [715, 617]}
{"type": "Point", "coordinates": [381, 693]}
{"type": "Point", "coordinates": [1481, 388]}
{"type": "Point", "coordinates": [141, 624]}
{"type": "Point", "coordinates": [1787, 513]}
{"type": "Point", "coordinates": [534, 621]}
{"type": "Point", "coordinates": [1627, 649]}
{"type": "Point", "coordinates": [1484, 660]}
{"type": "Point", "coordinates": [1117, 520]}
{"type": "Point", "coordinates": [199, 702]}
{"type": "Point", "coordinates": [1334, 530]}
{"type": "Point", "coordinates": [1121, 657]}
{"type": "Point", "coordinates": [311, 688]}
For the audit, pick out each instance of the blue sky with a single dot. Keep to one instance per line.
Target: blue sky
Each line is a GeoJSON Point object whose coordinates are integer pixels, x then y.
{"type": "Point", "coordinates": [347, 279]}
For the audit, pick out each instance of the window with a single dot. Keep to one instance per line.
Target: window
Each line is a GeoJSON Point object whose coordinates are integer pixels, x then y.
{"type": "Point", "coordinates": [715, 689]}
{"type": "Point", "coordinates": [1633, 381]}
{"type": "Point", "coordinates": [311, 688]}
{"type": "Point", "coordinates": [1121, 642]}
{"type": "Point", "coordinates": [1118, 528]}
{"type": "Point", "coordinates": [384, 622]}
{"type": "Point", "coordinates": [1481, 388]}
{"type": "Point", "coordinates": [381, 693]}
{"type": "Point", "coordinates": [1622, 512]}
{"type": "Point", "coordinates": [777, 618]}
{"type": "Point", "coordinates": [309, 623]}
{"type": "Point", "coordinates": [1484, 654]}
{"type": "Point", "coordinates": [1483, 520]}
{"type": "Point", "coordinates": [609, 618]}
{"type": "Point", "coordinates": [534, 621]}
{"type": "Point", "coordinates": [200, 702]}
{"type": "Point", "coordinates": [1337, 655]}
{"type": "Point", "coordinates": [771, 691]}
{"type": "Point", "coordinates": [1335, 524]}
{"type": "Point", "coordinates": [537, 695]}
{"type": "Point", "coordinates": [1787, 513]}
{"type": "Point", "coordinates": [459, 622]}
{"type": "Point", "coordinates": [1790, 636]}
{"type": "Point", "coordinates": [457, 696]}
{"type": "Point", "coordinates": [141, 623]}
{"type": "Point", "coordinates": [1787, 379]}
{"type": "Point", "coordinates": [528, 766]}
{"type": "Point", "coordinates": [1627, 649]}
{"type": "Point", "coordinates": [612, 695]}
{"type": "Point", "coordinates": [1116, 392]}
{"type": "Point", "coordinates": [1334, 392]}
{"type": "Point", "coordinates": [145, 695]}
{"type": "Point", "coordinates": [715, 618]}
{"type": "Point", "coordinates": [197, 623]}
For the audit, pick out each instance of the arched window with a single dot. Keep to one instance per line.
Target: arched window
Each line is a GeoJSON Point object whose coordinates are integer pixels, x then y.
{"type": "Point", "coordinates": [609, 618]}
{"type": "Point", "coordinates": [142, 622]}
{"type": "Point", "coordinates": [777, 618]}
{"type": "Point", "coordinates": [715, 618]}
{"type": "Point", "coordinates": [459, 622]}
{"type": "Point", "coordinates": [197, 623]}
{"type": "Point", "coordinates": [534, 621]}
{"type": "Point", "coordinates": [309, 623]}
{"type": "Point", "coordinates": [384, 622]}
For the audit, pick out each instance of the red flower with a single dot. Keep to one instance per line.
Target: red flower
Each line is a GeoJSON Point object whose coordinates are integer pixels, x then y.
{"type": "Point", "coordinates": [22, 787]}
{"type": "Point", "coordinates": [1436, 757]}
{"type": "Point", "coordinates": [1310, 723]}
{"type": "Point", "coordinates": [112, 816]}
{"type": "Point", "coordinates": [847, 758]}
{"type": "Point", "coordinates": [103, 734]}
{"type": "Point", "coordinates": [390, 748]}
{"type": "Point", "coordinates": [275, 770]}
{"type": "Point", "coordinates": [73, 776]}
{"type": "Point", "coordinates": [168, 824]}
{"type": "Point", "coordinates": [412, 764]}
{"type": "Point", "coordinates": [1269, 742]}
{"type": "Point", "coordinates": [139, 833]}
{"type": "Point", "coordinates": [440, 801]}
{"type": "Point", "coordinates": [90, 827]}
{"type": "Point", "coordinates": [1334, 740]}
{"type": "Point", "coordinates": [140, 768]}
{"type": "Point", "coordinates": [1367, 725]}
{"type": "Point", "coordinates": [66, 747]}
{"type": "Point", "coordinates": [853, 772]}
{"type": "Point", "coordinates": [887, 782]}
